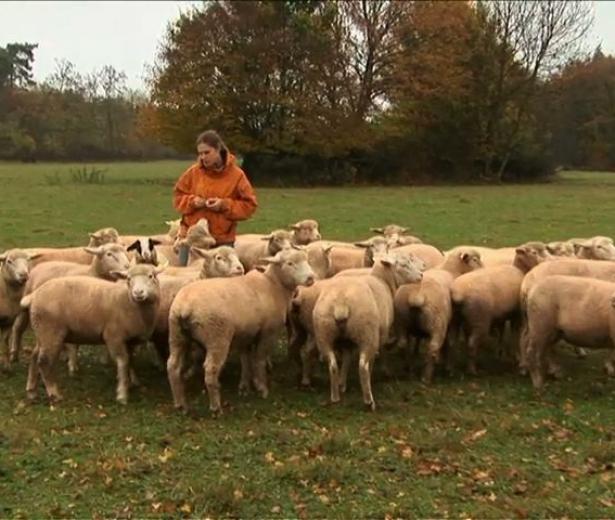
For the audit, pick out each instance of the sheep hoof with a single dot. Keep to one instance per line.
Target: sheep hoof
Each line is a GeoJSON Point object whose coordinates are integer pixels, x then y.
{"type": "Point", "coordinates": [244, 390]}
{"type": "Point", "coordinates": [31, 396]}
{"type": "Point", "coordinates": [216, 413]}
{"type": "Point", "coordinates": [122, 400]}
{"type": "Point", "coordinates": [371, 406]}
{"type": "Point", "coordinates": [55, 399]}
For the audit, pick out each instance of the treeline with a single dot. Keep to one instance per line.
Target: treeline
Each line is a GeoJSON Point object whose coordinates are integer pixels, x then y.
{"type": "Point", "coordinates": [313, 92]}
{"type": "Point", "coordinates": [70, 116]}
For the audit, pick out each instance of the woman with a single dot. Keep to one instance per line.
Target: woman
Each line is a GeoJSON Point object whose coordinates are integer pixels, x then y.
{"type": "Point", "coordinates": [214, 188]}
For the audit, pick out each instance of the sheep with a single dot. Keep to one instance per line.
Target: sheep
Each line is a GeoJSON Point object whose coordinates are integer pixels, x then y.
{"type": "Point", "coordinates": [581, 311]}
{"type": "Point", "coordinates": [221, 262]}
{"type": "Point", "coordinates": [237, 313]}
{"type": "Point", "coordinates": [425, 309]}
{"type": "Point", "coordinates": [167, 239]}
{"type": "Point", "coordinates": [396, 235]}
{"type": "Point", "coordinates": [85, 310]}
{"type": "Point", "coordinates": [300, 324]}
{"type": "Point", "coordinates": [105, 260]}
{"type": "Point", "coordinates": [595, 248]}
{"type": "Point", "coordinates": [484, 297]}
{"type": "Point", "coordinates": [359, 310]}
{"type": "Point", "coordinates": [145, 251]}
{"type": "Point", "coordinates": [344, 255]}
{"type": "Point", "coordinates": [431, 255]}
{"type": "Point", "coordinates": [305, 232]}
{"type": "Point", "coordinates": [566, 266]}
{"type": "Point", "coordinates": [561, 249]}
{"type": "Point", "coordinates": [320, 260]}
{"type": "Point", "coordinates": [252, 251]}
{"type": "Point", "coordinates": [14, 273]}
{"type": "Point", "coordinates": [197, 236]}
{"type": "Point", "coordinates": [73, 254]}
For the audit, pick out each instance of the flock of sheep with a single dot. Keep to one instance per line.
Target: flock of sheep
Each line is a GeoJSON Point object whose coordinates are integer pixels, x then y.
{"type": "Point", "coordinates": [336, 300]}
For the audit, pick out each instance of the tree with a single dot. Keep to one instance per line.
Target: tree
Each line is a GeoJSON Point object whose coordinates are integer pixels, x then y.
{"type": "Point", "coordinates": [16, 65]}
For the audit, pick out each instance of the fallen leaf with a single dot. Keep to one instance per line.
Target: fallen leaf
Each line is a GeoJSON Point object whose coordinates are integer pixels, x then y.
{"type": "Point", "coordinates": [407, 453]}
{"type": "Point", "coordinates": [269, 457]}
{"type": "Point", "coordinates": [475, 436]}
{"type": "Point", "coordinates": [237, 494]}
{"type": "Point", "coordinates": [276, 509]}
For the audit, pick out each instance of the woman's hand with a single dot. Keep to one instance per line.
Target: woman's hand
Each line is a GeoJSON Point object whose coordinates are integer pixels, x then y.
{"type": "Point", "coordinates": [199, 202]}
{"type": "Point", "coordinates": [214, 204]}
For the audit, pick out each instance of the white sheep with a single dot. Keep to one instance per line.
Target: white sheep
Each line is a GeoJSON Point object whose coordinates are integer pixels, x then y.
{"type": "Point", "coordinates": [580, 311]}
{"type": "Point", "coordinates": [14, 273]}
{"type": "Point", "coordinates": [105, 261]}
{"type": "Point", "coordinates": [490, 296]}
{"type": "Point", "coordinates": [358, 310]}
{"type": "Point", "coordinates": [241, 313]}
{"type": "Point", "coordinates": [251, 251]}
{"type": "Point", "coordinates": [425, 309]}
{"type": "Point", "coordinates": [86, 310]}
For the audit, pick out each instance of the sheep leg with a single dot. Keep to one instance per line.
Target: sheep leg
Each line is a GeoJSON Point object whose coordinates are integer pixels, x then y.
{"type": "Point", "coordinates": [119, 352]}
{"type": "Point", "coordinates": [333, 376]}
{"type": "Point", "coordinates": [46, 359]}
{"type": "Point", "coordinates": [346, 360]}
{"type": "Point", "coordinates": [19, 327]}
{"type": "Point", "coordinates": [33, 372]}
{"type": "Point", "coordinates": [178, 349]}
{"type": "Point", "coordinates": [4, 348]}
{"type": "Point", "coordinates": [365, 372]}
{"type": "Point", "coordinates": [609, 365]}
{"type": "Point", "coordinates": [307, 353]}
{"type": "Point", "coordinates": [478, 335]}
{"type": "Point", "coordinates": [523, 347]}
{"type": "Point", "coordinates": [72, 352]}
{"type": "Point", "coordinates": [246, 372]}
{"type": "Point", "coordinates": [432, 357]}
{"type": "Point", "coordinates": [134, 380]}
{"type": "Point", "coordinates": [261, 359]}
{"type": "Point", "coordinates": [214, 361]}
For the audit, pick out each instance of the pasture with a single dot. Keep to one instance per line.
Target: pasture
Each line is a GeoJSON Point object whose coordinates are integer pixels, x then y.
{"type": "Point", "coordinates": [463, 447]}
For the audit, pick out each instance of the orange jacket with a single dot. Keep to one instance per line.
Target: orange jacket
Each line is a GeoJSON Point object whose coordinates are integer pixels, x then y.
{"type": "Point", "coordinates": [230, 184]}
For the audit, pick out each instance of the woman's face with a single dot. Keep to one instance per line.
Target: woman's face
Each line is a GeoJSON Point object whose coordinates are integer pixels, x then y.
{"type": "Point", "coordinates": [208, 155]}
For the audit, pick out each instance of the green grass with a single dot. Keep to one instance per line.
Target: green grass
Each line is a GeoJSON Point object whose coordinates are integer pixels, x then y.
{"type": "Point", "coordinates": [464, 447]}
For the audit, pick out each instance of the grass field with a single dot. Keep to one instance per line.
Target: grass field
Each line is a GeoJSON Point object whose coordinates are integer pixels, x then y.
{"type": "Point", "coordinates": [483, 447]}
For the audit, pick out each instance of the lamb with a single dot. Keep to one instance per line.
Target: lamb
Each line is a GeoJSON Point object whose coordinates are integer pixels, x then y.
{"type": "Point", "coordinates": [73, 254]}
{"type": "Point", "coordinates": [105, 261]}
{"type": "Point", "coordinates": [85, 310]}
{"type": "Point", "coordinates": [486, 297]}
{"type": "Point", "coordinates": [359, 310]}
{"type": "Point", "coordinates": [253, 251]}
{"type": "Point", "coordinates": [431, 255]}
{"type": "Point", "coordinates": [305, 232]}
{"type": "Point", "coordinates": [581, 311]}
{"type": "Point", "coordinates": [14, 273]}
{"type": "Point", "coordinates": [237, 313]}
{"type": "Point", "coordinates": [320, 260]}
{"type": "Point", "coordinates": [425, 309]}
{"type": "Point", "coordinates": [396, 235]}
{"type": "Point", "coordinates": [595, 248]}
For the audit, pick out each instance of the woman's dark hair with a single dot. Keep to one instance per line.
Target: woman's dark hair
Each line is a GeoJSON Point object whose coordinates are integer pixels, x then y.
{"type": "Point", "coordinates": [213, 139]}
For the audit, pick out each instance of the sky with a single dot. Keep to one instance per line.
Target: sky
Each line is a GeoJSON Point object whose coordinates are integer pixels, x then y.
{"type": "Point", "coordinates": [127, 34]}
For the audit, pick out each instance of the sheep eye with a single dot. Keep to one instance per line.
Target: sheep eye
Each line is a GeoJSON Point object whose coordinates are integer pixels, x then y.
{"type": "Point", "coordinates": [290, 264]}
{"type": "Point", "coordinates": [218, 258]}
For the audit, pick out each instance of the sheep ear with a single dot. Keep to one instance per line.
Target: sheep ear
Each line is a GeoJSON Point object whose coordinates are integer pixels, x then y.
{"type": "Point", "coordinates": [93, 250]}
{"type": "Point", "coordinates": [123, 275]}
{"type": "Point", "coordinates": [96, 234]}
{"type": "Point", "coordinates": [32, 256]}
{"type": "Point", "coordinates": [294, 227]}
{"type": "Point", "coordinates": [203, 253]}
{"type": "Point", "coordinates": [363, 244]}
{"type": "Point", "coordinates": [267, 237]}
{"type": "Point", "coordinates": [270, 260]}
{"type": "Point", "coordinates": [387, 261]}
{"type": "Point", "coordinates": [520, 250]}
{"type": "Point", "coordinates": [378, 230]}
{"type": "Point", "coordinates": [551, 249]}
{"type": "Point", "coordinates": [3, 257]}
{"type": "Point", "coordinates": [327, 248]}
{"type": "Point", "coordinates": [298, 247]}
{"type": "Point", "coordinates": [162, 261]}
{"type": "Point", "coordinates": [403, 230]}
{"type": "Point", "coordinates": [464, 257]}
{"type": "Point", "coordinates": [154, 242]}
{"type": "Point", "coordinates": [260, 268]}
{"type": "Point", "coordinates": [136, 245]}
